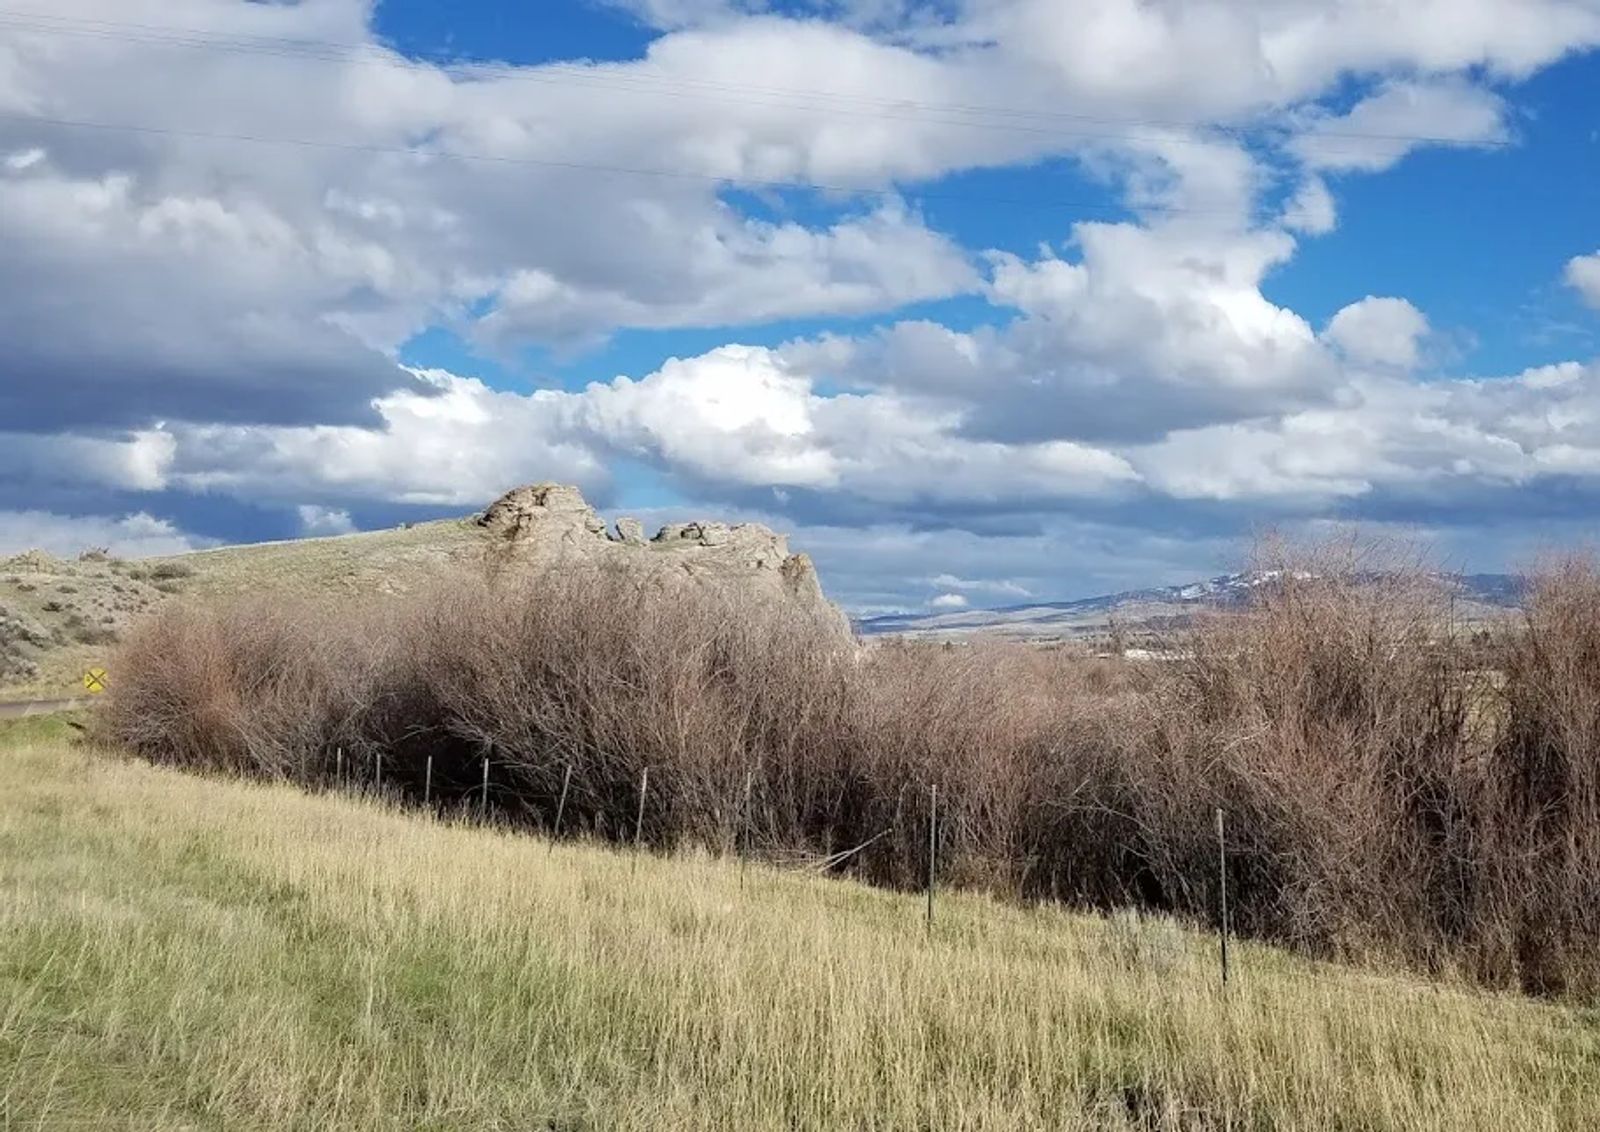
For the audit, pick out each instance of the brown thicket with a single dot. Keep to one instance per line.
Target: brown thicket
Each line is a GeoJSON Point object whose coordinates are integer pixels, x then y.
{"type": "Point", "coordinates": [1396, 787]}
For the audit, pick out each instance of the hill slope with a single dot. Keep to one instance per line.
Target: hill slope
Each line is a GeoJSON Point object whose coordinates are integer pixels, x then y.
{"type": "Point", "coordinates": [58, 617]}
{"type": "Point", "coordinates": [180, 952]}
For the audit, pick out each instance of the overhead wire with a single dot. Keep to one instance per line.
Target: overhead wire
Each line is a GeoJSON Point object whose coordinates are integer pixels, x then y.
{"type": "Point", "coordinates": [614, 82]}
{"type": "Point", "coordinates": [635, 82]}
{"type": "Point", "coordinates": [638, 81]}
{"type": "Point", "coordinates": [733, 181]}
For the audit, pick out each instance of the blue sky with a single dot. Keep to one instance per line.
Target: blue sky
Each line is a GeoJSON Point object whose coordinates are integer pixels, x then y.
{"type": "Point", "coordinates": [980, 300]}
{"type": "Point", "coordinates": [512, 33]}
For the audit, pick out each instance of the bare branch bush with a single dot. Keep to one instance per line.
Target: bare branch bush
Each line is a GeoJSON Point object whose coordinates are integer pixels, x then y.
{"type": "Point", "coordinates": [1398, 788]}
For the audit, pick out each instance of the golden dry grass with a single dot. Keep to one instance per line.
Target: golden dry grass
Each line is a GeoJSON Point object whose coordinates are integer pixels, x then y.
{"type": "Point", "coordinates": [180, 952]}
{"type": "Point", "coordinates": [383, 561]}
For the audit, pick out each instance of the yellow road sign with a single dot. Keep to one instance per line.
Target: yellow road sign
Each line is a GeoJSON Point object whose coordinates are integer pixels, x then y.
{"type": "Point", "coordinates": [95, 680]}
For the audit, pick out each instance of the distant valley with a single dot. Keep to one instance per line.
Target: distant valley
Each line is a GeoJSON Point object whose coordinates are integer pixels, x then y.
{"type": "Point", "coordinates": [1480, 597]}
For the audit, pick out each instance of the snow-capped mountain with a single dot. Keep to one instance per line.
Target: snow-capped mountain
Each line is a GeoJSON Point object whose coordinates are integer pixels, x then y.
{"type": "Point", "coordinates": [1159, 607]}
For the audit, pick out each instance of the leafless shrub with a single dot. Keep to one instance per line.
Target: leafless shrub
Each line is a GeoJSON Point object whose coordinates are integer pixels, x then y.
{"type": "Point", "coordinates": [1331, 721]}
{"type": "Point", "coordinates": [1396, 787]}
{"type": "Point", "coordinates": [1538, 882]}
{"type": "Point", "coordinates": [256, 688]}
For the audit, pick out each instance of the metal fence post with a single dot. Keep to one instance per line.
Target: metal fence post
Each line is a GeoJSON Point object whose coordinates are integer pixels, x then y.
{"type": "Point", "coordinates": [561, 808]}
{"type": "Point", "coordinates": [638, 822]}
{"type": "Point", "coordinates": [933, 847]}
{"type": "Point", "coordinates": [1222, 863]}
{"type": "Point", "coordinates": [744, 825]}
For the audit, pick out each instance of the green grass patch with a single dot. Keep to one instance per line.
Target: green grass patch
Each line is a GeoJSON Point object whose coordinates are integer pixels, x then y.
{"type": "Point", "coordinates": [34, 730]}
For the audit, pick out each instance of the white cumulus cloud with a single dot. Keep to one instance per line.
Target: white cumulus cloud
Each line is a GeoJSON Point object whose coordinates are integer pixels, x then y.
{"type": "Point", "coordinates": [1583, 275]}
{"type": "Point", "coordinates": [130, 536]}
{"type": "Point", "coordinates": [1382, 332]}
{"type": "Point", "coordinates": [317, 520]}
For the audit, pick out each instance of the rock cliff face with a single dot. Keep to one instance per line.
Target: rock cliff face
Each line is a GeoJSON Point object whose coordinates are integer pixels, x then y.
{"type": "Point", "coordinates": [549, 523]}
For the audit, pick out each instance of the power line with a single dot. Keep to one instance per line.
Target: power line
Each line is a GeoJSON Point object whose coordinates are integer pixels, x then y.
{"type": "Point", "coordinates": [565, 75]}
{"type": "Point", "coordinates": [614, 82]}
{"type": "Point", "coordinates": [732, 181]}
{"type": "Point", "coordinates": [637, 81]}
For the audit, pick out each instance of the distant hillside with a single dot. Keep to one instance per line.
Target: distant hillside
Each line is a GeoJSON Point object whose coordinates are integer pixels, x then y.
{"type": "Point", "coordinates": [1482, 597]}
{"type": "Point", "coordinates": [60, 616]}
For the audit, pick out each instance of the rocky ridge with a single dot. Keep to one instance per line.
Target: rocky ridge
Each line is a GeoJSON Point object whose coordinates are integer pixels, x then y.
{"type": "Point", "coordinates": [59, 616]}
{"type": "Point", "coordinates": [550, 522]}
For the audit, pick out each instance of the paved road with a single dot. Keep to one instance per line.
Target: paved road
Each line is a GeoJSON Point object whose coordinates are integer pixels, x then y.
{"type": "Point", "coordinates": [36, 707]}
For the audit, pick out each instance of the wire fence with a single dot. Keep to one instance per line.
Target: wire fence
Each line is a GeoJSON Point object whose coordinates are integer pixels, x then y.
{"type": "Point", "coordinates": [1135, 934]}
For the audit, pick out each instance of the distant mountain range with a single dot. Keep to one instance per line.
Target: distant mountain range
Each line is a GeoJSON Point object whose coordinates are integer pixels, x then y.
{"type": "Point", "coordinates": [1482, 596]}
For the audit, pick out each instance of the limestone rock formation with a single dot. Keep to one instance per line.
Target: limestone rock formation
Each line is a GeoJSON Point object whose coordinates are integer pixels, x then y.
{"type": "Point", "coordinates": [517, 512]}
{"type": "Point", "coordinates": [548, 524]}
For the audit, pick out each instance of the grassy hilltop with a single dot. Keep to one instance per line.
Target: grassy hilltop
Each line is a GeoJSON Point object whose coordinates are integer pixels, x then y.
{"type": "Point", "coordinates": [58, 616]}
{"type": "Point", "coordinates": [182, 953]}
{"type": "Point", "coordinates": [67, 614]}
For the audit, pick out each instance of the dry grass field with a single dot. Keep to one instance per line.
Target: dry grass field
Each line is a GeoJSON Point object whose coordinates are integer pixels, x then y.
{"type": "Point", "coordinates": [370, 562]}
{"type": "Point", "coordinates": [182, 952]}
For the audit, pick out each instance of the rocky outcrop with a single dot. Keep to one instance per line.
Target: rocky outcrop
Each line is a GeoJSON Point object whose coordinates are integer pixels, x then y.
{"type": "Point", "coordinates": [630, 531]}
{"type": "Point", "coordinates": [800, 578]}
{"type": "Point", "coordinates": [522, 510]}
{"type": "Point", "coordinates": [548, 523]}
{"type": "Point", "coordinates": [34, 562]}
